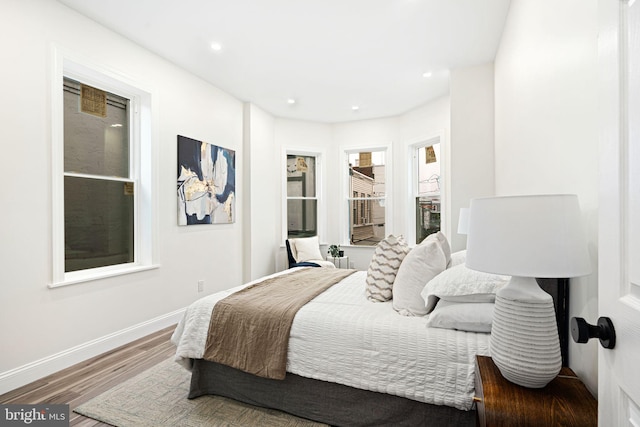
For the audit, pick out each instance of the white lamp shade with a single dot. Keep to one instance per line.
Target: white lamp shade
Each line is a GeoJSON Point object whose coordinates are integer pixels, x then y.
{"type": "Point", "coordinates": [528, 236]}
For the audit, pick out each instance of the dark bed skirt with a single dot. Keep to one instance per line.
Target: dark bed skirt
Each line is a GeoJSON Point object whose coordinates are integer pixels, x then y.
{"type": "Point", "coordinates": [330, 403]}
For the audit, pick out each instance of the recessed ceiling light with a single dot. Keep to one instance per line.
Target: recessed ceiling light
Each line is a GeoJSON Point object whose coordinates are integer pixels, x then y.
{"type": "Point", "coordinates": [427, 74]}
{"type": "Point", "coordinates": [291, 101]}
{"type": "Point", "coordinates": [216, 46]}
{"type": "Point", "coordinates": [355, 108]}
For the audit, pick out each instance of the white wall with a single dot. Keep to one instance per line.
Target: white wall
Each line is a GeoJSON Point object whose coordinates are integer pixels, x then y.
{"type": "Point", "coordinates": [305, 137]}
{"type": "Point", "coordinates": [261, 195]}
{"type": "Point", "coordinates": [545, 141]}
{"type": "Point", "coordinates": [38, 323]}
{"type": "Point", "coordinates": [546, 126]}
{"type": "Point", "coordinates": [364, 135]}
{"type": "Point", "coordinates": [417, 125]}
{"type": "Point", "coordinates": [427, 123]}
{"type": "Point", "coordinates": [472, 142]}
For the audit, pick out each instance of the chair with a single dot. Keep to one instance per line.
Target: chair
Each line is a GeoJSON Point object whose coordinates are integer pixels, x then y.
{"type": "Point", "coordinates": [307, 251]}
{"type": "Point", "coordinates": [292, 260]}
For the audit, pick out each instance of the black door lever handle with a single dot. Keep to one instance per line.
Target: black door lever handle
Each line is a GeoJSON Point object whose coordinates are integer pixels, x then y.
{"type": "Point", "coordinates": [582, 332]}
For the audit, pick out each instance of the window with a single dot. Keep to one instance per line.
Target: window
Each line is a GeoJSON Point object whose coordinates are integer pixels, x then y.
{"type": "Point", "coordinates": [427, 190]}
{"type": "Point", "coordinates": [102, 218]}
{"type": "Point", "coordinates": [302, 196]}
{"type": "Point", "coordinates": [98, 189]}
{"type": "Point", "coordinates": [367, 213]}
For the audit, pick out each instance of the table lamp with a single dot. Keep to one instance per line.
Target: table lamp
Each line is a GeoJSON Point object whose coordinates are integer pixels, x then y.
{"type": "Point", "coordinates": [526, 237]}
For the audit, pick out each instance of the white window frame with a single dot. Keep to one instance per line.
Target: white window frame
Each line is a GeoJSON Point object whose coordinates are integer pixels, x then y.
{"type": "Point", "coordinates": [345, 211]}
{"type": "Point", "coordinates": [320, 170]}
{"type": "Point", "coordinates": [413, 177]}
{"type": "Point", "coordinates": [142, 159]}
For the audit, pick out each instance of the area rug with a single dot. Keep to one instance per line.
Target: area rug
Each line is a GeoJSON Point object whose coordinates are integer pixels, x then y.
{"type": "Point", "coordinates": [158, 397]}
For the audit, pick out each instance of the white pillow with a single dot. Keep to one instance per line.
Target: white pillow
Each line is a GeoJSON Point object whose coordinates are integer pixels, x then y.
{"type": "Point", "coordinates": [444, 244]}
{"type": "Point", "coordinates": [384, 266]}
{"type": "Point", "coordinates": [423, 263]}
{"type": "Point", "coordinates": [458, 258]}
{"type": "Point", "coordinates": [462, 284]}
{"type": "Point", "coordinates": [471, 317]}
{"type": "Point", "coordinates": [306, 249]}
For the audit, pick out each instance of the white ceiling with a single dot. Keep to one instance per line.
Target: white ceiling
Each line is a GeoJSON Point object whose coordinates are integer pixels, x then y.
{"type": "Point", "coordinates": [328, 55]}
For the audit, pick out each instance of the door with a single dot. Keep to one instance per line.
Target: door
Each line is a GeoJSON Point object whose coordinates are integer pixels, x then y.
{"type": "Point", "coordinates": [619, 210]}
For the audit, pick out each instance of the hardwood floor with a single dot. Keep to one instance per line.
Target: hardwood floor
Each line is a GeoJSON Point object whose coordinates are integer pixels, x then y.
{"type": "Point", "coordinates": [82, 382]}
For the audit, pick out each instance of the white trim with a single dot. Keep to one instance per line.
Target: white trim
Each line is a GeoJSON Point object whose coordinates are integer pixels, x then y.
{"type": "Point", "coordinates": [14, 378]}
{"type": "Point", "coordinates": [57, 164]}
{"type": "Point", "coordinates": [345, 150]}
{"type": "Point", "coordinates": [82, 276]}
{"type": "Point", "coordinates": [320, 156]}
{"type": "Point", "coordinates": [411, 152]}
{"type": "Point", "coordinates": [143, 159]}
{"type": "Point", "coordinates": [98, 177]}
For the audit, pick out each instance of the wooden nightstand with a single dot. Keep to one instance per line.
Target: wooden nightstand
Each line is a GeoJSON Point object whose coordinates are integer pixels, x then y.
{"type": "Point", "coordinates": [565, 401]}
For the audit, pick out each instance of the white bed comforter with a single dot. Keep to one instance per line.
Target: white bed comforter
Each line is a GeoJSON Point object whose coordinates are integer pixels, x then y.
{"type": "Point", "coordinates": [342, 337]}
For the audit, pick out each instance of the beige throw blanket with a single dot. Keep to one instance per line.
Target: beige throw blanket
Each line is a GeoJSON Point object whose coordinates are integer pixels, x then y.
{"type": "Point", "coordinates": [249, 329]}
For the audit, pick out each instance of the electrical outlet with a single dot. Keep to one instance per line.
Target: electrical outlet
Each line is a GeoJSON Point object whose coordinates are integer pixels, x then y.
{"type": "Point", "coordinates": [200, 285]}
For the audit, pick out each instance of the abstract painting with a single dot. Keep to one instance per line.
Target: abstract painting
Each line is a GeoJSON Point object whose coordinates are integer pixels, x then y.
{"type": "Point", "coordinates": [206, 183]}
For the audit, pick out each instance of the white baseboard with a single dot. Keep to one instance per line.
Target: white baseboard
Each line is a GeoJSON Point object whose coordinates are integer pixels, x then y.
{"type": "Point", "coordinates": [33, 371]}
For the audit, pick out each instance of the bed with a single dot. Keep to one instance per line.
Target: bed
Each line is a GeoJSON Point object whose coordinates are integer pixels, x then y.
{"type": "Point", "coordinates": [350, 361]}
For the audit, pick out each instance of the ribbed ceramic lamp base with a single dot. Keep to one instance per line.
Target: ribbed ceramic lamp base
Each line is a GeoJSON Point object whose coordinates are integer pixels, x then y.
{"type": "Point", "coordinates": [524, 338]}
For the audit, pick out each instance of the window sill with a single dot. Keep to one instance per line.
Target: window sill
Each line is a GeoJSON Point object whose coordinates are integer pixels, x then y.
{"type": "Point", "coordinates": [93, 274]}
